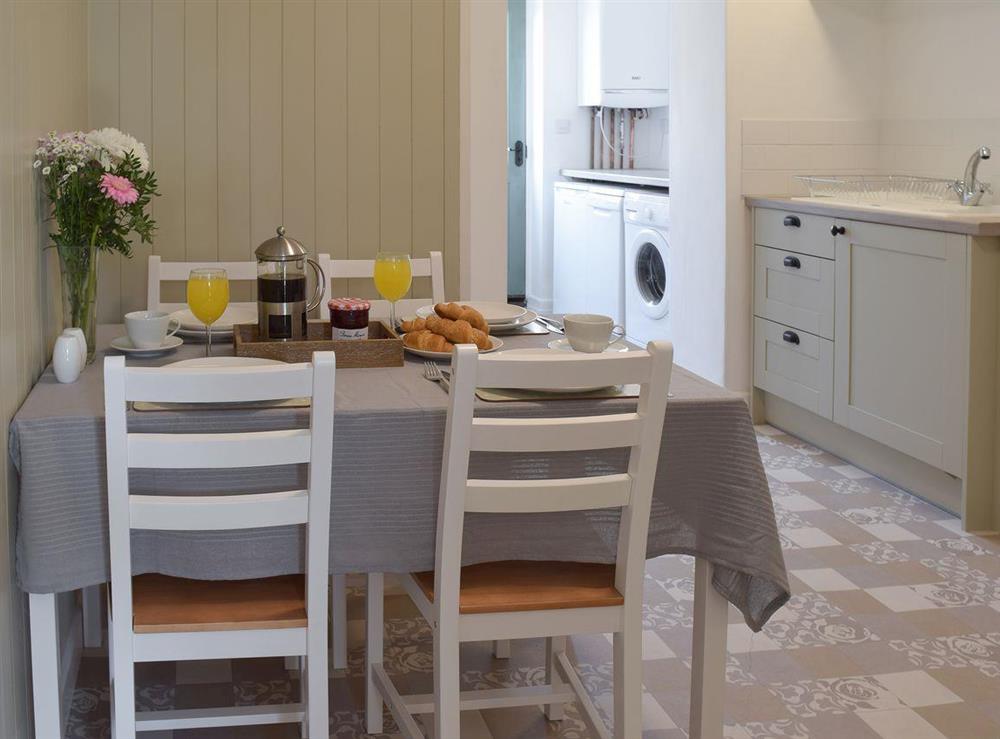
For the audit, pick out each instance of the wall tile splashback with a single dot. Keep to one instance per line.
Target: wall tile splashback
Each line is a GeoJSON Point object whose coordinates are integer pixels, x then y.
{"type": "Point", "coordinates": [774, 151]}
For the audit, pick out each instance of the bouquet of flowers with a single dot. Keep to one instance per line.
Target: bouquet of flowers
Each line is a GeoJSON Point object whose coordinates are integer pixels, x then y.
{"type": "Point", "coordinates": [99, 185]}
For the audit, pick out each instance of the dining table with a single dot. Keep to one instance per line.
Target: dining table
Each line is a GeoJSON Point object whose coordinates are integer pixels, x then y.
{"type": "Point", "coordinates": [711, 500]}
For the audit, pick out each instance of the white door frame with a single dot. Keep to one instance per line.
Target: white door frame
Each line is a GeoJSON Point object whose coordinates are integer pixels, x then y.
{"type": "Point", "coordinates": [483, 150]}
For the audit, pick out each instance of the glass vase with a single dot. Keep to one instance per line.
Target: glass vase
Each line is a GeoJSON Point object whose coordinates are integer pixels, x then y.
{"type": "Point", "coordinates": [78, 265]}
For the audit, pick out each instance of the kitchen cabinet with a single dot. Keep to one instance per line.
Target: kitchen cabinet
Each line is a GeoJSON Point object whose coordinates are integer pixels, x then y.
{"type": "Point", "coordinates": [570, 242]}
{"type": "Point", "coordinates": [899, 368]}
{"type": "Point", "coordinates": [876, 337]}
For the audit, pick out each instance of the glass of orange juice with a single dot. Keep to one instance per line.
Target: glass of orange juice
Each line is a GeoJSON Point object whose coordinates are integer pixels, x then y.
{"type": "Point", "coordinates": [392, 279]}
{"type": "Point", "coordinates": [208, 296]}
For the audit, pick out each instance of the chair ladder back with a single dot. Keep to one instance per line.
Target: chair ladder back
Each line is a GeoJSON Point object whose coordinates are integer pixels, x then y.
{"type": "Point", "coordinates": [340, 269]}
{"type": "Point", "coordinates": [127, 450]}
{"type": "Point", "coordinates": [544, 371]}
{"type": "Point", "coordinates": [631, 491]}
{"type": "Point", "coordinates": [119, 517]}
{"type": "Point", "coordinates": [160, 271]}
{"type": "Point", "coordinates": [633, 529]}
{"type": "Point", "coordinates": [454, 478]}
{"type": "Point", "coordinates": [321, 419]}
{"type": "Point", "coordinates": [219, 384]}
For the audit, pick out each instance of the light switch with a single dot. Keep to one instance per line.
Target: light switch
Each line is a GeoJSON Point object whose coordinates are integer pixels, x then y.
{"type": "Point", "coordinates": [563, 125]}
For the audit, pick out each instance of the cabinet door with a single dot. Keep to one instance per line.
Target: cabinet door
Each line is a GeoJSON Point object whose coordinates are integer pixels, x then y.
{"type": "Point", "coordinates": [901, 352]}
{"type": "Point", "coordinates": [604, 284]}
{"type": "Point", "coordinates": [569, 252]}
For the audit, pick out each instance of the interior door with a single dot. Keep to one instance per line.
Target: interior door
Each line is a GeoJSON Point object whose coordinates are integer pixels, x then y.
{"type": "Point", "coordinates": [517, 150]}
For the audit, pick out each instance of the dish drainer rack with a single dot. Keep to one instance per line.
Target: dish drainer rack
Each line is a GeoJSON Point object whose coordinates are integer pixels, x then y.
{"type": "Point", "coordinates": [879, 188]}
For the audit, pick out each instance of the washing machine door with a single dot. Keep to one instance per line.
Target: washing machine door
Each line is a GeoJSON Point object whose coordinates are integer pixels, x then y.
{"type": "Point", "coordinates": [649, 273]}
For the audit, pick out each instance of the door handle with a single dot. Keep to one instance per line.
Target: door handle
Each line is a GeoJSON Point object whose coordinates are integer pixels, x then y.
{"type": "Point", "coordinates": [792, 262]}
{"type": "Point", "coordinates": [837, 230]}
{"type": "Point", "coordinates": [791, 337]}
{"type": "Point", "coordinates": [520, 150]}
{"type": "Point", "coordinates": [792, 221]}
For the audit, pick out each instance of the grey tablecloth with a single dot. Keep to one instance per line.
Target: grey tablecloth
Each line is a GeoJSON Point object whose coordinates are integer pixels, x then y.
{"type": "Point", "coordinates": [711, 498]}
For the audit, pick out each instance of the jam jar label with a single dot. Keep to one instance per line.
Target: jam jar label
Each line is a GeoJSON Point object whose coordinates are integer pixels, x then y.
{"type": "Point", "coordinates": [340, 334]}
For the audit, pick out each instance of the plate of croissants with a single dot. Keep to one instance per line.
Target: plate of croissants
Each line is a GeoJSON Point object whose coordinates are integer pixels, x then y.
{"type": "Point", "coordinates": [435, 336]}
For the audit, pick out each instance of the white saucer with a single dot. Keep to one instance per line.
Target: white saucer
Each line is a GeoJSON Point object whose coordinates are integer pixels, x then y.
{"type": "Point", "coordinates": [497, 343]}
{"type": "Point", "coordinates": [563, 345]}
{"type": "Point", "coordinates": [124, 345]}
{"type": "Point", "coordinates": [524, 320]}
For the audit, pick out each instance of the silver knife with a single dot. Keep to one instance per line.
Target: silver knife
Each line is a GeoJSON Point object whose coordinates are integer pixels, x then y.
{"type": "Point", "coordinates": [550, 324]}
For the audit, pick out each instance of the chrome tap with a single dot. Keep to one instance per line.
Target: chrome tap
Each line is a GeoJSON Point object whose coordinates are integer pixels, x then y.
{"type": "Point", "coordinates": [970, 190]}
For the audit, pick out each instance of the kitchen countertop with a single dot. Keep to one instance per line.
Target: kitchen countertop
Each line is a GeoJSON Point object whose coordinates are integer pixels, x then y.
{"type": "Point", "coordinates": [980, 220]}
{"type": "Point", "coordinates": [645, 177]}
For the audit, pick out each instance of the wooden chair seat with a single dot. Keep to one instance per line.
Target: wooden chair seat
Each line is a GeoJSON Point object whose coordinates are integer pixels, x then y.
{"type": "Point", "coordinates": [502, 587]}
{"type": "Point", "coordinates": [162, 604]}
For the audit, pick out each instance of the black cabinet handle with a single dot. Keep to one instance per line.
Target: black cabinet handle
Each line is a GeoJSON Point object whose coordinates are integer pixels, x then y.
{"type": "Point", "coordinates": [791, 337]}
{"type": "Point", "coordinates": [793, 262]}
{"type": "Point", "coordinates": [837, 230]}
{"type": "Point", "coordinates": [792, 221]}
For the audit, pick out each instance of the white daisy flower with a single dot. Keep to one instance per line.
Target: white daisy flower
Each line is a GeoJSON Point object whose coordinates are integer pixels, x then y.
{"type": "Point", "coordinates": [46, 170]}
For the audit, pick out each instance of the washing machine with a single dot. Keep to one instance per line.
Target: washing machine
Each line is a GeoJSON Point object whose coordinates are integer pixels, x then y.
{"type": "Point", "coordinates": [647, 266]}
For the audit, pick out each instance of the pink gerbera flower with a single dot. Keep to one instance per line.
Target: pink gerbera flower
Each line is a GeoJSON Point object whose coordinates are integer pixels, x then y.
{"type": "Point", "coordinates": [119, 189]}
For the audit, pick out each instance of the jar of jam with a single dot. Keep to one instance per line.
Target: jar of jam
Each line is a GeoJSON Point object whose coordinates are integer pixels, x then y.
{"type": "Point", "coordinates": [349, 318]}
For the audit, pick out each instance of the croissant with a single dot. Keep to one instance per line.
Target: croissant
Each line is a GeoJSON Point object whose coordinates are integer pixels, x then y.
{"type": "Point", "coordinates": [416, 324]}
{"type": "Point", "coordinates": [457, 312]}
{"type": "Point", "coordinates": [458, 332]}
{"type": "Point", "coordinates": [427, 341]}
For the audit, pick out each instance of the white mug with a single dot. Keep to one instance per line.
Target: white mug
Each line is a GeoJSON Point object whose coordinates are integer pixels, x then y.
{"type": "Point", "coordinates": [590, 332]}
{"type": "Point", "coordinates": [66, 360]}
{"type": "Point", "coordinates": [81, 340]}
{"type": "Point", "coordinates": [147, 329]}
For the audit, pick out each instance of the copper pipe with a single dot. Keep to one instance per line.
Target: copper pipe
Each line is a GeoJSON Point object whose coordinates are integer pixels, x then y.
{"type": "Point", "coordinates": [631, 139]}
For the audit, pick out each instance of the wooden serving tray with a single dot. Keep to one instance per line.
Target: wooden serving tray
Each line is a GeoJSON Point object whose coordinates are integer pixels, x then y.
{"type": "Point", "coordinates": [382, 348]}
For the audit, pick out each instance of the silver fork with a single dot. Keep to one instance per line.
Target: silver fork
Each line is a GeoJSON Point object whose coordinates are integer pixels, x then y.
{"type": "Point", "coordinates": [433, 373]}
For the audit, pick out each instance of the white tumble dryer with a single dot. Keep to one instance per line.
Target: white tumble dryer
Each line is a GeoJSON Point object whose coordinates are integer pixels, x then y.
{"type": "Point", "coordinates": [647, 266]}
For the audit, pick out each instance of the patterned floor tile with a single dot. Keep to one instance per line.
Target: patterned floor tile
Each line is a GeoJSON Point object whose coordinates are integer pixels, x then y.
{"type": "Point", "coordinates": [901, 723]}
{"type": "Point", "coordinates": [892, 631]}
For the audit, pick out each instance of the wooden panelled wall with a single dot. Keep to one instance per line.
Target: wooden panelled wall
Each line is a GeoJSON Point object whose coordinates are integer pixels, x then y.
{"type": "Point", "coordinates": [43, 81]}
{"type": "Point", "coordinates": [336, 118]}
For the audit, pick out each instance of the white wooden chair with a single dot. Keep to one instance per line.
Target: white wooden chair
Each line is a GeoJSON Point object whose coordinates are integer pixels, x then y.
{"type": "Point", "coordinates": [515, 600]}
{"type": "Point", "coordinates": [156, 618]}
{"type": "Point", "coordinates": [160, 271]}
{"type": "Point", "coordinates": [431, 266]}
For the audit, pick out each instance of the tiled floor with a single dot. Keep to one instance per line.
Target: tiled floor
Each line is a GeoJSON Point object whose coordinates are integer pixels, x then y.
{"type": "Point", "coordinates": [893, 631]}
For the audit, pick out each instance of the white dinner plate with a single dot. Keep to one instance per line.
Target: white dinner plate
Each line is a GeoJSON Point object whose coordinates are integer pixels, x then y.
{"type": "Point", "coordinates": [492, 312]}
{"type": "Point", "coordinates": [567, 390]}
{"type": "Point", "coordinates": [124, 345]}
{"type": "Point", "coordinates": [524, 320]}
{"type": "Point", "coordinates": [229, 362]}
{"type": "Point", "coordinates": [233, 314]}
{"type": "Point", "coordinates": [497, 343]}
{"type": "Point", "coordinates": [563, 345]}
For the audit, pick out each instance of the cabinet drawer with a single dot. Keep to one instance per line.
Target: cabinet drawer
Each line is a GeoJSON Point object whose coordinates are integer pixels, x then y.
{"type": "Point", "coordinates": [794, 289]}
{"type": "Point", "coordinates": [778, 229]}
{"type": "Point", "coordinates": [801, 373]}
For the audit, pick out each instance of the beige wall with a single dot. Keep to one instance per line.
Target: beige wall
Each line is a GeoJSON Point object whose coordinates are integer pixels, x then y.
{"type": "Point", "coordinates": [43, 85]}
{"type": "Point", "coordinates": [791, 61]}
{"type": "Point", "coordinates": [337, 118]}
